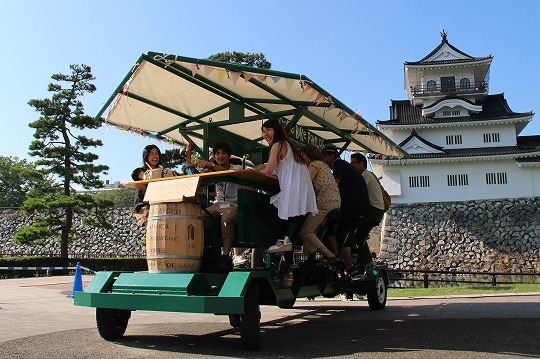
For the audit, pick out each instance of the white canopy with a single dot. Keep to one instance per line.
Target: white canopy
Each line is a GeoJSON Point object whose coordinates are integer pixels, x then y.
{"type": "Point", "coordinates": [184, 99]}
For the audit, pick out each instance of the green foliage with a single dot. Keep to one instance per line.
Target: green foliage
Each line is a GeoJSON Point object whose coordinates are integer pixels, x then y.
{"type": "Point", "coordinates": [173, 159]}
{"type": "Point", "coordinates": [121, 197]}
{"type": "Point", "coordinates": [62, 150]}
{"type": "Point", "coordinates": [18, 178]}
{"type": "Point", "coordinates": [241, 58]}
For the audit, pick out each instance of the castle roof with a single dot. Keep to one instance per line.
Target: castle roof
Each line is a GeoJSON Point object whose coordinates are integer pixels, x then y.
{"type": "Point", "coordinates": [433, 58]}
{"type": "Point", "coordinates": [494, 107]}
{"type": "Point", "coordinates": [522, 153]}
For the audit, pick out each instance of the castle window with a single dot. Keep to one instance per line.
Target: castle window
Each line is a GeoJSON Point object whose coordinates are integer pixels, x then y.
{"type": "Point", "coordinates": [448, 113]}
{"type": "Point", "coordinates": [431, 85]}
{"type": "Point", "coordinates": [418, 181]}
{"type": "Point", "coordinates": [454, 140]}
{"type": "Point", "coordinates": [458, 180]}
{"type": "Point", "coordinates": [496, 178]}
{"type": "Point", "coordinates": [464, 83]}
{"type": "Point", "coordinates": [491, 137]}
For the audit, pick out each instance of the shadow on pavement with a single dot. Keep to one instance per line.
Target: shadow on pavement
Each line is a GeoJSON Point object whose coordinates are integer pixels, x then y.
{"type": "Point", "coordinates": [326, 331]}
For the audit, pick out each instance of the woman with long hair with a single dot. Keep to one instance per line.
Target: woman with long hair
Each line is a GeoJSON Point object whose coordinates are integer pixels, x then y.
{"type": "Point", "coordinates": [152, 167]}
{"type": "Point", "coordinates": [296, 196]}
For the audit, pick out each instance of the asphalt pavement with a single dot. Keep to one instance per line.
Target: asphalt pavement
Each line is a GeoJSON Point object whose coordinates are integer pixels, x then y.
{"type": "Point", "coordinates": [39, 320]}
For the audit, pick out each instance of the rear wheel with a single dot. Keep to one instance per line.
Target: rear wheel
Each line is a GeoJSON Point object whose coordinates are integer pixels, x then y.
{"type": "Point", "coordinates": [377, 296]}
{"type": "Point", "coordinates": [112, 323]}
{"type": "Point", "coordinates": [286, 303]}
{"type": "Point", "coordinates": [250, 322]}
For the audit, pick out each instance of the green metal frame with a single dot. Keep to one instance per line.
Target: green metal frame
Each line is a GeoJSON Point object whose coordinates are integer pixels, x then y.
{"type": "Point", "coordinates": [216, 293]}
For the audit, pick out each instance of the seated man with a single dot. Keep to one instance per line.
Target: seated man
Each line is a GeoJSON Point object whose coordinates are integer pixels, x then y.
{"type": "Point", "coordinates": [375, 211]}
{"type": "Point", "coordinates": [354, 206]}
{"type": "Point", "coordinates": [226, 202]}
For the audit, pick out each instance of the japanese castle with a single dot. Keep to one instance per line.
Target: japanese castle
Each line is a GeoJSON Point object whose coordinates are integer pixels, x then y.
{"type": "Point", "coordinates": [462, 143]}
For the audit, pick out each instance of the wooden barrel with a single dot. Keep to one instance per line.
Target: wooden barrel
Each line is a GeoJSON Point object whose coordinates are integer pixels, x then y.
{"type": "Point", "coordinates": [174, 237]}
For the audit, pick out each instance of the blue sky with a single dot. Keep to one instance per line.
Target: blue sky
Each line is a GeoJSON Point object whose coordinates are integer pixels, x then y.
{"type": "Point", "coordinates": [353, 49]}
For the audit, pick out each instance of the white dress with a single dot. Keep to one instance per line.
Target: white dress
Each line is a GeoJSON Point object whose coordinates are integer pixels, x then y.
{"type": "Point", "coordinates": [297, 196]}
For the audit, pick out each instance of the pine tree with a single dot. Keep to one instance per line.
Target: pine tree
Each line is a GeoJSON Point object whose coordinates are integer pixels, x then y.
{"type": "Point", "coordinates": [241, 58]}
{"type": "Point", "coordinates": [63, 151]}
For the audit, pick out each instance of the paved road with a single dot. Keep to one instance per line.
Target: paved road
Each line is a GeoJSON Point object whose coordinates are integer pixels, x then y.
{"type": "Point", "coordinates": [39, 321]}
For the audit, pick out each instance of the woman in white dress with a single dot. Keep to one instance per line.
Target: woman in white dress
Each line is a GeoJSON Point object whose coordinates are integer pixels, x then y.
{"type": "Point", "coordinates": [296, 196]}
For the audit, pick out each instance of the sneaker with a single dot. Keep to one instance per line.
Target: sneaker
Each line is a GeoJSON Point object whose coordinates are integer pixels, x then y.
{"type": "Point", "coordinates": [240, 261]}
{"type": "Point", "coordinates": [344, 297]}
{"type": "Point", "coordinates": [358, 296]}
{"type": "Point", "coordinates": [282, 245]}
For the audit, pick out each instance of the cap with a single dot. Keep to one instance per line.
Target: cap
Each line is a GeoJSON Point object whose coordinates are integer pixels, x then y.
{"type": "Point", "coordinates": [330, 150]}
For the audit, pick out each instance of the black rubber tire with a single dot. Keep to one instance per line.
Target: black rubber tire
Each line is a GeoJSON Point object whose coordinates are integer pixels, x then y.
{"type": "Point", "coordinates": [377, 296]}
{"type": "Point", "coordinates": [112, 323]}
{"type": "Point", "coordinates": [234, 320]}
{"type": "Point", "coordinates": [250, 323]}
{"type": "Point", "coordinates": [286, 303]}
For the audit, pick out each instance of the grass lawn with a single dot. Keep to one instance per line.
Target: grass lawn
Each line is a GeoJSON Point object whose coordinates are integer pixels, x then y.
{"type": "Point", "coordinates": [463, 290]}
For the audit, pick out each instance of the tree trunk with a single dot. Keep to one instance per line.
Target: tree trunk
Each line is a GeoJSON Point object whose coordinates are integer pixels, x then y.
{"type": "Point", "coordinates": [65, 233]}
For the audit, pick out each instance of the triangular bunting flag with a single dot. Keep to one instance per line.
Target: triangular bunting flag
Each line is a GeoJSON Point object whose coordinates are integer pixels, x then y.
{"type": "Point", "coordinates": [306, 88]}
{"type": "Point", "coordinates": [261, 78]}
{"type": "Point", "coordinates": [276, 79]}
{"type": "Point", "coordinates": [194, 69]}
{"type": "Point", "coordinates": [247, 76]}
{"type": "Point", "coordinates": [319, 98]}
{"type": "Point", "coordinates": [208, 70]}
{"type": "Point", "coordinates": [221, 73]}
{"type": "Point", "coordinates": [289, 83]}
{"type": "Point", "coordinates": [235, 76]}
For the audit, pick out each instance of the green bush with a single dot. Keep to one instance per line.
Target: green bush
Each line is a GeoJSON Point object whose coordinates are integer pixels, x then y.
{"type": "Point", "coordinates": [121, 197]}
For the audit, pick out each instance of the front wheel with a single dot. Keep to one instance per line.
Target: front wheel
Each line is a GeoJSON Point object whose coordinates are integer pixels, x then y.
{"type": "Point", "coordinates": [250, 322]}
{"type": "Point", "coordinates": [377, 296]}
{"type": "Point", "coordinates": [112, 323]}
{"type": "Point", "coordinates": [234, 320]}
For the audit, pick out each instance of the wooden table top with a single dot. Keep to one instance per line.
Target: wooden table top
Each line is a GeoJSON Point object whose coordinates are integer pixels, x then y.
{"type": "Point", "coordinates": [245, 177]}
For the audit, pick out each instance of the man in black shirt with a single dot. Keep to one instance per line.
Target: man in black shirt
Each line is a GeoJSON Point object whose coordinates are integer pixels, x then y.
{"type": "Point", "coordinates": [354, 202]}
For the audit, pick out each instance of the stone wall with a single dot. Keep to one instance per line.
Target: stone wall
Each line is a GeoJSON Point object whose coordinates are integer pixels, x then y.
{"type": "Point", "coordinates": [122, 241]}
{"type": "Point", "coordinates": [496, 235]}
{"type": "Point", "coordinates": [493, 235]}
